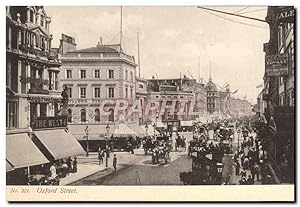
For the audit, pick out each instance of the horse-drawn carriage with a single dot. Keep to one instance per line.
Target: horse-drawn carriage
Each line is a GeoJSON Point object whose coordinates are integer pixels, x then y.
{"type": "Point", "coordinates": [180, 142]}
{"type": "Point", "coordinates": [148, 144]}
{"type": "Point", "coordinates": [119, 143]}
{"type": "Point", "coordinates": [161, 153]}
{"type": "Point", "coordinates": [195, 146]}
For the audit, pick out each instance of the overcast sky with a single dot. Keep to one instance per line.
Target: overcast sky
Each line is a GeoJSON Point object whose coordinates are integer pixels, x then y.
{"type": "Point", "coordinates": [172, 39]}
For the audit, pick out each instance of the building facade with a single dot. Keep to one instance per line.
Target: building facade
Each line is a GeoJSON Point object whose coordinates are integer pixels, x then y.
{"type": "Point", "coordinates": [181, 89]}
{"type": "Point", "coordinates": [142, 97]}
{"type": "Point", "coordinates": [35, 107]}
{"type": "Point", "coordinates": [213, 97]}
{"type": "Point", "coordinates": [93, 75]}
{"type": "Point", "coordinates": [278, 92]}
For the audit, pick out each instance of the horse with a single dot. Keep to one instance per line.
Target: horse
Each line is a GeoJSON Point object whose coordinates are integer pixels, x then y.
{"type": "Point", "coordinates": [148, 144]}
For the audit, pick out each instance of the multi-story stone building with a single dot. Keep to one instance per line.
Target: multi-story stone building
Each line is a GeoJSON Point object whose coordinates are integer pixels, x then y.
{"type": "Point", "coordinates": [34, 107]}
{"type": "Point", "coordinates": [95, 74]}
{"type": "Point", "coordinates": [279, 90]}
{"type": "Point", "coordinates": [181, 90]}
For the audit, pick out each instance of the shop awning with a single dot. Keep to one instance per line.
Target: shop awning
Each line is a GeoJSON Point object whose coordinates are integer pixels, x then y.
{"type": "Point", "coordinates": [22, 152]}
{"type": "Point", "coordinates": [150, 131]}
{"type": "Point", "coordinates": [186, 123]}
{"type": "Point", "coordinates": [96, 131]}
{"type": "Point", "coordinates": [138, 129]}
{"type": "Point", "coordinates": [124, 130]}
{"type": "Point", "coordinates": [159, 124]}
{"type": "Point", "coordinates": [9, 167]}
{"type": "Point", "coordinates": [59, 143]}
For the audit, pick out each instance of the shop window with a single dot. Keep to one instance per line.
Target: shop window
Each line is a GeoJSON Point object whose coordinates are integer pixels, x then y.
{"type": "Point", "coordinates": [43, 110]}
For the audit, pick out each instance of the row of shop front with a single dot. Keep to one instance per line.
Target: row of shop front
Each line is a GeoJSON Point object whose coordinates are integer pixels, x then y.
{"type": "Point", "coordinates": [28, 151]}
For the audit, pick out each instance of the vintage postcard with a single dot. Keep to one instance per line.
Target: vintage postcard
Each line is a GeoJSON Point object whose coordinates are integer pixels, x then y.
{"type": "Point", "coordinates": [156, 103]}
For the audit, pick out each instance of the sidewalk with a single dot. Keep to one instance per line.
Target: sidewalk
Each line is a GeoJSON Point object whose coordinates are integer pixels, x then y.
{"type": "Point", "coordinates": [88, 166]}
{"type": "Point", "coordinates": [83, 171]}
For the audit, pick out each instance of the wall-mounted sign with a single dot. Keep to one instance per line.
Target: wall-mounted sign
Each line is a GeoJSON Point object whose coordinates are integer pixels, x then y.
{"type": "Point", "coordinates": [84, 101]}
{"type": "Point", "coordinates": [287, 14]}
{"type": "Point", "coordinates": [40, 99]}
{"type": "Point", "coordinates": [49, 122]}
{"type": "Point", "coordinates": [276, 65]}
{"type": "Point", "coordinates": [34, 81]}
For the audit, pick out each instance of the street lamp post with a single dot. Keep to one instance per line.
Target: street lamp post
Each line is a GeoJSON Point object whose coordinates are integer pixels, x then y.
{"type": "Point", "coordinates": [154, 126]}
{"type": "Point", "coordinates": [106, 145]}
{"type": "Point", "coordinates": [146, 128]}
{"type": "Point", "coordinates": [87, 131]}
{"type": "Point", "coordinates": [238, 140]}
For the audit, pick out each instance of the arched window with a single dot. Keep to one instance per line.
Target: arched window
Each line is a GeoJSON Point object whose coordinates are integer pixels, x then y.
{"type": "Point", "coordinates": [83, 115]}
{"type": "Point", "coordinates": [69, 115]}
{"type": "Point", "coordinates": [111, 115]}
{"type": "Point", "coordinates": [97, 115]}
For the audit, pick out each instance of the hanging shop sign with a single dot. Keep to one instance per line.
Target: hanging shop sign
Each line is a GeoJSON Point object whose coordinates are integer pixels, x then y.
{"type": "Point", "coordinates": [287, 14]}
{"type": "Point", "coordinates": [49, 122]}
{"type": "Point", "coordinates": [276, 65]}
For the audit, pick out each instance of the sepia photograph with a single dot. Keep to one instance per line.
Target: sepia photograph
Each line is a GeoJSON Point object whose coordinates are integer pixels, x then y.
{"type": "Point", "coordinates": [149, 96]}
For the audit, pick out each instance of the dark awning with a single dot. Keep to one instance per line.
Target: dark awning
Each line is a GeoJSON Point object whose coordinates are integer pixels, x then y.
{"type": "Point", "coordinates": [9, 167]}
{"type": "Point", "coordinates": [22, 152]}
{"type": "Point", "coordinates": [59, 143]}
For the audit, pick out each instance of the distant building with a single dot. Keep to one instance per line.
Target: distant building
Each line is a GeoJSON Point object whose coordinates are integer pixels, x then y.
{"type": "Point", "coordinates": [181, 89]}
{"type": "Point", "coordinates": [213, 97]}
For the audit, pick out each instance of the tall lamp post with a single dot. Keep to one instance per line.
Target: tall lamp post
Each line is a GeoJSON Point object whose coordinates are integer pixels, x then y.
{"type": "Point", "coordinates": [146, 128]}
{"type": "Point", "coordinates": [106, 145]}
{"type": "Point", "coordinates": [239, 140]}
{"type": "Point", "coordinates": [87, 131]}
{"type": "Point", "coordinates": [154, 126]}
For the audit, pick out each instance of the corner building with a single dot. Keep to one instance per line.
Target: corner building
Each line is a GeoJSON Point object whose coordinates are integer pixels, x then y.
{"type": "Point", "coordinates": [94, 74]}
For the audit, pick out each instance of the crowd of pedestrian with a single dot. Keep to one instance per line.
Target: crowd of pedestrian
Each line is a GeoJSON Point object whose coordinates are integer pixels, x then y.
{"type": "Point", "coordinates": [250, 161]}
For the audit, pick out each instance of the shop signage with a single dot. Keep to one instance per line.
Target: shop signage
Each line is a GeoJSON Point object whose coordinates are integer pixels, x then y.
{"type": "Point", "coordinates": [84, 101]}
{"type": "Point", "coordinates": [34, 81]}
{"type": "Point", "coordinates": [286, 14]}
{"type": "Point", "coordinates": [40, 99]}
{"type": "Point", "coordinates": [276, 65]}
{"type": "Point", "coordinates": [49, 122]}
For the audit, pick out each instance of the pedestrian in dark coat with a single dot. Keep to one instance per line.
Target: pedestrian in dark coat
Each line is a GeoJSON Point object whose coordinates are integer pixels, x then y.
{"type": "Point", "coordinates": [75, 165]}
{"type": "Point", "coordinates": [115, 163]}
{"type": "Point", "coordinates": [69, 163]}
{"type": "Point", "coordinates": [237, 168]}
